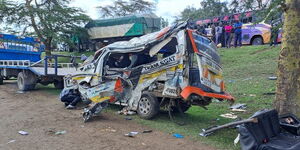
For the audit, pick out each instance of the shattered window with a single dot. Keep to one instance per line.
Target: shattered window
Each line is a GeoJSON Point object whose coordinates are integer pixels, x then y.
{"type": "Point", "coordinates": [204, 45]}
{"type": "Point", "coordinates": [138, 59]}
{"type": "Point", "coordinates": [118, 61]}
{"type": "Point", "coordinates": [169, 49]}
{"type": "Point", "coordinates": [194, 62]}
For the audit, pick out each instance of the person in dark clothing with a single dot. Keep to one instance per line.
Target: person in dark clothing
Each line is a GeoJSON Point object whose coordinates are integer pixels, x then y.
{"type": "Point", "coordinates": [70, 97]}
{"type": "Point", "coordinates": [219, 31]}
{"type": "Point", "coordinates": [201, 29]}
{"type": "Point", "coordinates": [119, 61]}
{"type": "Point", "coordinates": [223, 38]}
{"type": "Point", "coordinates": [274, 33]}
{"type": "Point", "coordinates": [238, 33]}
{"type": "Point", "coordinates": [213, 32]}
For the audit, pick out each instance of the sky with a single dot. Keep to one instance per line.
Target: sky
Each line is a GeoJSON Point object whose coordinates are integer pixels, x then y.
{"type": "Point", "coordinates": [165, 8]}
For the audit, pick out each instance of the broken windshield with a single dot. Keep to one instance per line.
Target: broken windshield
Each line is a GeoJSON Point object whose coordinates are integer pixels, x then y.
{"type": "Point", "coordinates": [206, 47]}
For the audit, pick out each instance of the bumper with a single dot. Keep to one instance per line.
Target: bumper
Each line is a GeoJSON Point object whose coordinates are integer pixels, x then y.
{"type": "Point", "coordinates": [187, 91]}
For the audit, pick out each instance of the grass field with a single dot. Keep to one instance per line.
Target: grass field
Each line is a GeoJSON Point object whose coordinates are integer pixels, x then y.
{"type": "Point", "coordinates": [246, 72]}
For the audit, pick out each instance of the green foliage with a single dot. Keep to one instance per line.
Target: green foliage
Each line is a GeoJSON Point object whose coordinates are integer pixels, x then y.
{"type": "Point", "coordinates": [124, 8]}
{"type": "Point", "coordinates": [209, 8]}
{"type": "Point", "coordinates": [50, 20]}
{"type": "Point", "coordinates": [266, 11]}
{"type": "Point", "coordinates": [164, 22]}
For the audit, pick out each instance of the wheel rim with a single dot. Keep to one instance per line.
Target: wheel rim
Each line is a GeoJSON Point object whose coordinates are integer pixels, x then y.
{"type": "Point", "coordinates": [20, 82]}
{"type": "Point", "coordinates": [257, 42]}
{"type": "Point", "coordinates": [144, 105]}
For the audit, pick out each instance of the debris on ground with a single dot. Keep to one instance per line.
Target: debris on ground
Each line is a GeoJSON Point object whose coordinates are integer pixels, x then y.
{"type": "Point", "coordinates": [23, 132]}
{"type": "Point", "coordinates": [131, 134]}
{"type": "Point", "coordinates": [147, 131]}
{"type": "Point", "coordinates": [236, 140]}
{"type": "Point", "coordinates": [252, 95]}
{"type": "Point", "coordinates": [109, 129]}
{"type": "Point", "coordinates": [272, 78]}
{"type": "Point", "coordinates": [238, 110]}
{"type": "Point", "coordinates": [177, 135]}
{"type": "Point", "coordinates": [126, 112]}
{"type": "Point", "coordinates": [60, 132]}
{"type": "Point", "coordinates": [128, 118]}
{"type": "Point", "coordinates": [231, 81]}
{"type": "Point", "coordinates": [210, 130]}
{"type": "Point", "coordinates": [269, 93]}
{"type": "Point", "coordinates": [238, 106]}
{"type": "Point", "coordinates": [229, 115]}
{"type": "Point", "coordinates": [11, 141]}
{"type": "Point", "coordinates": [20, 92]}
{"type": "Point", "coordinates": [267, 133]}
{"type": "Point", "coordinates": [250, 78]}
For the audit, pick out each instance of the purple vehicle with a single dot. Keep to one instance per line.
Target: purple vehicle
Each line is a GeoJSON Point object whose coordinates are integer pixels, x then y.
{"type": "Point", "coordinates": [252, 34]}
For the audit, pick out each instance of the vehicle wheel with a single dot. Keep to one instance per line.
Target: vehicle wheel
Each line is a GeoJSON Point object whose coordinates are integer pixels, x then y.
{"type": "Point", "coordinates": [148, 106]}
{"type": "Point", "coordinates": [24, 82]}
{"type": "Point", "coordinates": [1, 80]}
{"type": "Point", "coordinates": [257, 41]}
{"type": "Point", "coordinates": [59, 84]}
{"type": "Point", "coordinates": [87, 115]}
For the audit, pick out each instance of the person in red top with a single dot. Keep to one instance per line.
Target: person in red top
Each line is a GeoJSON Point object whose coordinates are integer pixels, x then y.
{"type": "Point", "coordinates": [228, 29]}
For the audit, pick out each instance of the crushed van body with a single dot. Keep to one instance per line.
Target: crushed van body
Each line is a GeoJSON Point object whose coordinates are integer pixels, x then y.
{"type": "Point", "coordinates": [150, 72]}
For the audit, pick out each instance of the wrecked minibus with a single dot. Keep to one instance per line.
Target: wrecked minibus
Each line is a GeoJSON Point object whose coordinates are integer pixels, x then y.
{"type": "Point", "coordinates": [170, 69]}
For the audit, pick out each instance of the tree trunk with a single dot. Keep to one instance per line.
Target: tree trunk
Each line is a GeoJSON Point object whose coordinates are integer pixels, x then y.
{"type": "Point", "coordinates": [48, 46]}
{"type": "Point", "coordinates": [288, 83]}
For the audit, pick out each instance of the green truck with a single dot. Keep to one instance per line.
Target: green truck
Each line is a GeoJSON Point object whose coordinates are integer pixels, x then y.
{"type": "Point", "coordinates": [110, 30]}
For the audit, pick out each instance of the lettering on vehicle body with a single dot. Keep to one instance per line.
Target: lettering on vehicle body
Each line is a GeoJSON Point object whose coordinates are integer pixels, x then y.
{"type": "Point", "coordinates": [157, 65]}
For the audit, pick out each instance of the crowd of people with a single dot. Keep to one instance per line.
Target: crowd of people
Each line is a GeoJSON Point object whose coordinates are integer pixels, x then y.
{"type": "Point", "coordinates": [224, 33]}
{"type": "Point", "coordinates": [228, 34]}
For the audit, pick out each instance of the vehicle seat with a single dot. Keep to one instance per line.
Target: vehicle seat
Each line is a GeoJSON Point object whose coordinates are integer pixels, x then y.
{"type": "Point", "coordinates": [267, 134]}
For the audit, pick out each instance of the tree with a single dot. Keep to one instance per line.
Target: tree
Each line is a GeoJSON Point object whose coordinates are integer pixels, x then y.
{"type": "Point", "coordinates": [124, 8]}
{"type": "Point", "coordinates": [164, 22]}
{"type": "Point", "coordinates": [288, 83]}
{"type": "Point", "coordinates": [49, 20]}
{"type": "Point", "coordinates": [238, 6]}
{"type": "Point", "coordinates": [209, 8]}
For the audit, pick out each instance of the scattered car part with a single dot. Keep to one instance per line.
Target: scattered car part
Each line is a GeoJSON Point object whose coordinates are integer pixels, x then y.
{"type": "Point", "coordinates": [210, 130]}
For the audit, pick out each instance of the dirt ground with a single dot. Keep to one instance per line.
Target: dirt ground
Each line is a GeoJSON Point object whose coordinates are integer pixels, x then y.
{"type": "Point", "coordinates": [41, 115]}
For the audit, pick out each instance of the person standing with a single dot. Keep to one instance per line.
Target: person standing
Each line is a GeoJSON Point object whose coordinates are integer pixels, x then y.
{"type": "Point", "coordinates": [231, 35]}
{"type": "Point", "coordinates": [219, 31]}
{"type": "Point", "coordinates": [228, 29]}
{"type": "Point", "coordinates": [213, 32]}
{"type": "Point", "coordinates": [201, 29]}
{"type": "Point", "coordinates": [238, 33]}
{"type": "Point", "coordinates": [274, 33]}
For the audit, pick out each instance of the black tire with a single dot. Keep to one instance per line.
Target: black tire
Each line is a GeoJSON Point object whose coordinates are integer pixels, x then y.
{"type": "Point", "coordinates": [1, 80]}
{"type": "Point", "coordinates": [148, 106]}
{"type": "Point", "coordinates": [59, 84]}
{"type": "Point", "coordinates": [257, 41]}
{"type": "Point", "coordinates": [24, 83]}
